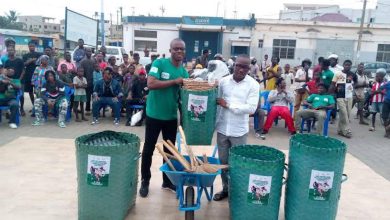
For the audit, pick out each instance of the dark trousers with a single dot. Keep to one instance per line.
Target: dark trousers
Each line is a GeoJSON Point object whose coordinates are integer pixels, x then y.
{"type": "Point", "coordinates": [104, 101]}
{"type": "Point", "coordinates": [152, 131]}
{"type": "Point", "coordinates": [89, 91]}
{"type": "Point", "coordinates": [129, 110]}
{"type": "Point", "coordinates": [386, 112]}
{"type": "Point", "coordinates": [14, 105]}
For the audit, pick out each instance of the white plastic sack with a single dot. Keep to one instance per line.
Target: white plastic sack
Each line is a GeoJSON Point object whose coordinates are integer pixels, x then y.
{"type": "Point", "coordinates": [136, 118]}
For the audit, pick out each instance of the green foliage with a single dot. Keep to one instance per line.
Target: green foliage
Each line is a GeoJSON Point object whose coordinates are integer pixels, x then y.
{"type": "Point", "coordinates": [9, 21]}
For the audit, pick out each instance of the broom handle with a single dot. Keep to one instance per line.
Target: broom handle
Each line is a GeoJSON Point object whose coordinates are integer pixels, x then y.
{"type": "Point", "coordinates": [159, 148]}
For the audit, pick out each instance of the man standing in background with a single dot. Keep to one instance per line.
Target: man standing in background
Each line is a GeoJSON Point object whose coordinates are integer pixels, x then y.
{"type": "Point", "coordinates": [88, 64]}
{"type": "Point", "coordinates": [79, 53]}
{"type": "Point", "coordinates": [263, 68]}
{"type": "Point", "coordinates": [30, 59]}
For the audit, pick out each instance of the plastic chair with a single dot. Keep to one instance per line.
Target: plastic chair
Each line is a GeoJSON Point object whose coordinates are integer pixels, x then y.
{"type": "Point", "coordinates": [6, 108]}
{"type": "Point", "coordinates": [264, 97]}
{"type": "Point", "coordinates": [309, 122]}
{"type": "Point", "coordinates": [69, 91]}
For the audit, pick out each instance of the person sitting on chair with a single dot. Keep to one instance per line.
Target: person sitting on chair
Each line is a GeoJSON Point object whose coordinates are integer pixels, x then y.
{"type": "Point", "coordinates": [52, 93]}
{"type": "Point", "coordinates": [137, 96]}
{"type": "Point", "coordinates": [8, 93]}
{"type": "Point", "coordinates": [107, 91]}
{"type": "Point", "coordinates": [317, 105]}
{"type": "Point", "coordinates": [280, 100]}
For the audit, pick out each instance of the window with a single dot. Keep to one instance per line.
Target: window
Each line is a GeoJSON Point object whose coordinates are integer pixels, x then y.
{"type": "Point", "coordinates": [140, 45]}
{"type": "Point", "coordinates": [383, 53]}
{"type": "Point", "coordinates": [260, 44]}
{"type": "Point", "coordinates": [147, 34]}
{"type": "Point", "coordinates": [45, 26]}
{"type": "Point", "coordinates": [55, 28]}
{"type": "Point", "coordinates": [284, 49]}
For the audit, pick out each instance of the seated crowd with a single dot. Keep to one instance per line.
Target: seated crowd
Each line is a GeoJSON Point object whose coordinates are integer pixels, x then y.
{"type": "Point", "coordinates": [306, 93]}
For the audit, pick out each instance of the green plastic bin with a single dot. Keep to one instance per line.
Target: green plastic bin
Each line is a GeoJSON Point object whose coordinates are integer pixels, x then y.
{"type": "Point", "coordinates": [255, 184]}
{"type": "Point", "coordinates": [199, 110]}
{"type": "Point", "coordinates": [315, 174]}
{"type": "Point", "coordinates": [107, 174]}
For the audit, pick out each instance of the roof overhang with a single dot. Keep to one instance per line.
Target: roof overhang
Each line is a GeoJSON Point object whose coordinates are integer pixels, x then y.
{"type": "Point", "coordinates": [200, 27]}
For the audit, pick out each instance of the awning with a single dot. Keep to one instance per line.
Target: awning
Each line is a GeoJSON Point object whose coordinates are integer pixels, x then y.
{"type": "Point", "coordinates": [200, 27]}
{"type": "Point", "coordinates": [241, 42]}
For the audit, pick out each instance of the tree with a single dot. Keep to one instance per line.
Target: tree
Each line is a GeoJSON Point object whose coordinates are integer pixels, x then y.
{"type": "Point", "coordinates": [12, 16]}
{"type": "Point", "coordinates": [9, 21]}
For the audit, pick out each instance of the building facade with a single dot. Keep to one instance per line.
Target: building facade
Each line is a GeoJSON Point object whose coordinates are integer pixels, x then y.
{"type": "Point", "coordinates": [39, 24]}
{"type": "Point", "coordinates": [294, 41]}
{"type": "Point", "coordinates": [218, 35]}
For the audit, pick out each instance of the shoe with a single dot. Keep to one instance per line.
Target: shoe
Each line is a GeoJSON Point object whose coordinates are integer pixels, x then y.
{"type": "Point", "coordinates": [347, 135]}
{"type": "Point", "coordinates": [144, 190]}
{"type": "Point", "coordinates": [37, 123]}
{"type": "Point", "coordinates": [264, 132]}
{"type": "Point", "coordinates": [95, 121]}
{"type": "Point", "coordinates": [61, 124]}
{"type": "Point", "coordinates": [259, 135]}
{"type": "Point", "coordinates": [169, 187]}
{"type": "Point", "coordinates": [371, 129]}
{"type": "Point", "coordinates": [220, 196]}
{"type": "Point", "coordinates": [13, 126]}
{"type": "Point", "coordinates": [22, 113]}
{"type": "Point", "coordinates": [138, 123]}
{"type": "Point", "coordinates": [116, 122]}
{"type": "Point", "coordinates": [128, 122]}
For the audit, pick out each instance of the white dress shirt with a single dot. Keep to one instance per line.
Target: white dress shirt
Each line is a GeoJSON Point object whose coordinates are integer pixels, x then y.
{"type": "Point", "coordinates": [301, 75]}
{"type": "Point", "coordinates": [242, 99]}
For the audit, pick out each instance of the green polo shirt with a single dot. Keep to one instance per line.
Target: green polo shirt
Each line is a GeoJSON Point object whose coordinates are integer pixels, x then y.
{"type": "Point", "coordinates": [327, 76]}
{"type": "Point", "coordinates": [10, 93]}
{"type": "Point", "coordinates": [162, 104]}
{"type": "Point", "coordinates": [318, 100]}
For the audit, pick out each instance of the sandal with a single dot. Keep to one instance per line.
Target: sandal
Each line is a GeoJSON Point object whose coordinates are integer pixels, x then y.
{"type": "Point", "coordinates": [371, 129]}
{"type": "Point", "coordinates": [220, 196]}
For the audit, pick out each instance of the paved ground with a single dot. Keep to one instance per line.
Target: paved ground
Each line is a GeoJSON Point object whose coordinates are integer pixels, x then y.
{"type": "Point", "coordinates": [369, 147]}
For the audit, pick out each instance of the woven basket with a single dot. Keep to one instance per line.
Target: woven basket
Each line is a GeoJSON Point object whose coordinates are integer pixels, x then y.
{"type": "Point", "coordinates": [115, 199]}
{"type": "Point", "coordinates": [263, 166]}
{"type": "Point", "coordinates": [190, 84]}
{"type": "Point", "coordinates": [312, 159]}
{"type": "Point", "coordinates": [199, 122]}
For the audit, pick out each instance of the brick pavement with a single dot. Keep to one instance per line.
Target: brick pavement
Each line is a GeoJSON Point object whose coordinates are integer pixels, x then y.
{"type": "Point", "coordinates": [369, 147]}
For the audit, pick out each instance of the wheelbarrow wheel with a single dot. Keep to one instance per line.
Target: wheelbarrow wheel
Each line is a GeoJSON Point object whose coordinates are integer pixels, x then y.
{"type": "Point", "coordinates": [189, 198]}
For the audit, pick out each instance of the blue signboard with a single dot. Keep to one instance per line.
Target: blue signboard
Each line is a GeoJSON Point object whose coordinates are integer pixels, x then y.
{"type": "Point", "coordinates": [198, 20]}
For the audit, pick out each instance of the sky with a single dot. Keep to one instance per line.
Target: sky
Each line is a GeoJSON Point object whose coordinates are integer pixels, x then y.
{"type": "Point", "coordinates": [174, 8]}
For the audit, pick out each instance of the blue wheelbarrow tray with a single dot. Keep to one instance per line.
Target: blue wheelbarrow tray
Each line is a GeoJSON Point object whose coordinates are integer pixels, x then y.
{"type": "Point", "coordinates": [180, 178]}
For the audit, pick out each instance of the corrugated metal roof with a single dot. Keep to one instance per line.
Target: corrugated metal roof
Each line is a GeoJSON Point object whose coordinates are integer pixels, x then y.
{"type": "Point", "coordinates": [22, 33]}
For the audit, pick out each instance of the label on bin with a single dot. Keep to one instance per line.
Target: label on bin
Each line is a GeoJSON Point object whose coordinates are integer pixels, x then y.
{"type": "Point", "coordinates": [259, 189]}
{"type": "Point", "coordinates": [197, 107]}
{"type": "Point", "coordinates": [321, 183]}
{"type": "Point", "coordinates": [98, 170]}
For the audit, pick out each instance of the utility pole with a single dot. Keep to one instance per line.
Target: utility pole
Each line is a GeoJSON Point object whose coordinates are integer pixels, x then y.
{"type": "Point", "coordinates": [102, 22]}
{"type": "Point", "coordinates": [359, 43]}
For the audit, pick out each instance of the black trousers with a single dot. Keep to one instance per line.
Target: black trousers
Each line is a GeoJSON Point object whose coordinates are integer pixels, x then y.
{"type": "Point", "coordinates": [89, 91]}
{"type": "Point", "coordinates": [153, 127]}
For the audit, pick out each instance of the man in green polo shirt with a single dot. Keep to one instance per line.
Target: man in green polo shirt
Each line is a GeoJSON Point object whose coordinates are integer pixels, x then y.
{"type": "Point", "coordinates": [317, 104]}
{"type": "Point", "coordinates": [8, 91]}
{"type": "Point", "coordinates": [164, 80]}
{"type": "Point", "coordinates": [326, 74]}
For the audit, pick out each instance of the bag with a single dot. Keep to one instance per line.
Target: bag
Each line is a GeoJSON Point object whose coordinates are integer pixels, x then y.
{"type": "Point", "coordinates": [136, 118]}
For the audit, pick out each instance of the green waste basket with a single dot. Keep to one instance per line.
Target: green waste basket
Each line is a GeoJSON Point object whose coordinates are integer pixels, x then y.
{"type": "Point", "coordinates": [107, 174]}
{"type": "Point", "coordinates": [255, 184]}
{"type": "Point", "coordinates": [199, 110]}
{"type": "Point", "coordinates": [315, 174]}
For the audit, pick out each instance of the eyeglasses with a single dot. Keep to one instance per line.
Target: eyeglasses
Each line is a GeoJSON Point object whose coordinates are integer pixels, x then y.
{"type": "Point", "coordinates": [242, 66]}
{"type": "Point", "coordinates": [178, 48]}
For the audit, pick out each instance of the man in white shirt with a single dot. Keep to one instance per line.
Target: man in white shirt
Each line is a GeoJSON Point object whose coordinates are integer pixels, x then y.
{"type": "Point", "coordinates": [238, 97]}
{"type": "Point", "coordinates": [302, 76]}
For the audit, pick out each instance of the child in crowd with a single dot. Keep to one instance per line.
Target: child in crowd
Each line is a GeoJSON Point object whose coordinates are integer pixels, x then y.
{"type": "Point", "coordinates": [51, 94]}
{"type": "Point", "coordinates": [312, 85]}
{"type": "Point", "coordinates": [116, 75]}
{"type": "Point", "coordinates": [288, 76]}
{"type": "Point", "coordinates": [80, 94]}
{"type": "Point", "coordinates": [65, 76]}
{"type": "Point", "coordinates": [97, 73]}
{"type": "Point", "coordinates": [377, 98]}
